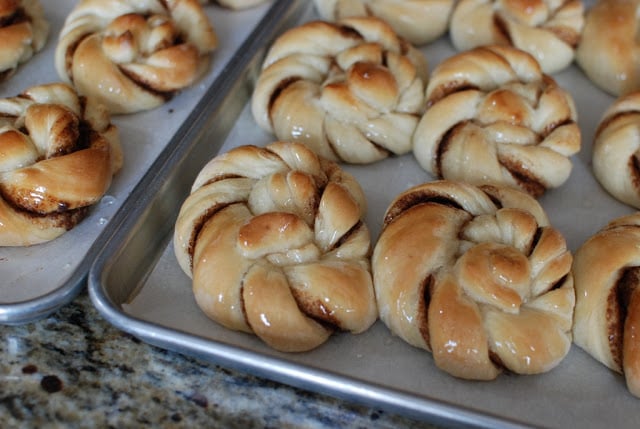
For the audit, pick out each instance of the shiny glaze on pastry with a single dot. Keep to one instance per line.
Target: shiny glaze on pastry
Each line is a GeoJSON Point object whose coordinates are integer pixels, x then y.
{"type": "Point", "coordinates": [58, 153]}
{"type": "Point", "coordinates": [607, 282]}
{"type": "Point", "coordinates": [615, 150]}
{"type": "Point", "coordinates": [548, 30]}
{"type": "Point", "coordinates": [352, 91]}
{"type": "Point", "coordinates": [418, 21]}
{"type": "Point", "coordinates": [275, 243]}
{"type": "Point", "coordinates": [476, 276]}
{"type": "Point", "coordinates": [133, 56]}
{"type": "Point", "coordinates": [494, 117]}
{"type": "Point", "coordinates": [23, 30]}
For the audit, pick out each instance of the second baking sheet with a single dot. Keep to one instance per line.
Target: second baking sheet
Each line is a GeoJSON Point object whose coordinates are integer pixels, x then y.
{"type": "Point", "coordinates": [139, 287]}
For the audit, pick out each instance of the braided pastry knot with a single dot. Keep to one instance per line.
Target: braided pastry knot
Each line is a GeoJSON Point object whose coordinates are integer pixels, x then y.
{"type": "Point", "coordinates": [58, 154]}
{"type": "Point", "coordinates": [616, 149]}
{"type": "Point", "coordinates": [494, 117]}
{"type": "Point", "coordinates": [549, 30]}
{"type": "Point", "coordinates": [23, 31]}
{"type": "Point", "coordinates": [274, 241]}
{"type": "Point", "coordinates": [607, 282]}
{"type": "Point", "coordinates": [351, 91]}
{"type": "Point", "coordinates": [477, 277]}
{"type": "Point", "coordinates": [418, 21]}
{"type": "Point", "coordinates": [134, 55]}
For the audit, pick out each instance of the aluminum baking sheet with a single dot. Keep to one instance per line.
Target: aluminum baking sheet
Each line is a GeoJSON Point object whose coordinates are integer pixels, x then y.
{"type": "Point", "coordinates": [137, 285]}
{"type": "Point", "coordinates": [37, 280]}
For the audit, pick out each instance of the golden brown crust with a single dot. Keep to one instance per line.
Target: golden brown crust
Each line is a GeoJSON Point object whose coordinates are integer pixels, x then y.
{"type": "Point", "coordinates": [494, 117]}
{"type": "Point", "coordinates": [134, 57]}
{"type": "Point", "coordinates": [549, 31]}
{"type": "Point", "coordinates": [615, 150]}
{"type": "Point", "coordinates": [275, 242]}
{"type": "Point", "coordinates": [608, 52]}
{"type": "Point", "coordinates": [351, 90]}
{"type": "Point", "coordinates": [61, 154]}
{"type": "Point", "coordinates": [23, 30]}
{"type": "Point", "coordinates": [607, 278]}
{"type": "Point", "coordinates": [477, 277]}
{"type": "Point", "coordinates": [418, 21]}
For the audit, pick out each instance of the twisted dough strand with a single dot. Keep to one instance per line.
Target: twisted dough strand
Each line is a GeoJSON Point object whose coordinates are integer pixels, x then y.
{"type": "Point", "coordinates": [351, 91]}
{"type": "Point", "coordinates": [134, 55]}
{"type": "Point", "coordinates": [418, 21]}
{"type": "Point", "coordinates": [607, 314]}
{"type": "Point", "coordinates": [549, 30]}
{"type": "Point", "coordinates": [494, 117]}
{"type": "Point", "coordinates": [59, 154]}
{"type": "Point", "coordinates": [23, 30]}
{"type": "Point", "coordinates": [616, 149]}
{"type": "Point", "coordinates": [477, 277]}
{"type": "Point", "coordinates": [274, 241]}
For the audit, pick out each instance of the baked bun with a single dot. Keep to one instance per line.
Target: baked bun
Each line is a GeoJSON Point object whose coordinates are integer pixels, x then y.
{"type": "Point", "coordinates": [235, 4]}
{"type": "Point", "coordinates": [615, 150]}
{"type": "Point", "coordinates": [131, 55]}
{"type": "Point", "coordinates": [58, 155]}
{"type": "Point", "coordinates": [606, 270]}
{"type": "Point", "coordinates": [607, 52]}
{"type": "Point", "coordinates": [275, 243]}
{"type": "Point", "coordinates": [549, 31]}
{"type": "Point", "coordinates": [476, 276]}
{"type": "Point", "coordinates": [352, 91]}
{"type": "Point", "coordinates": [23, 31]}
{"type": "Point", "coordinates": [418, 21]}
{"type": "Point", "coordinates": [494, 117]}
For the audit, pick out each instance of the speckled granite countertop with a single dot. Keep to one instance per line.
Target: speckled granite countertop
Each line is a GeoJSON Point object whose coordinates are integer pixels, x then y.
{"type": "Point", "coordinates": [73, 369]}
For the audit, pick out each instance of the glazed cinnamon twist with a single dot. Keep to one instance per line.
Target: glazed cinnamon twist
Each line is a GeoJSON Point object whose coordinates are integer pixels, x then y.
{"type": "Point", "coordinates": [58, 155]}
{"type": "Point", "coordinates": [274, 241]}
{"type": "Point", "coordinates": [352, 90]}
{"type": "Point", "coordinates": [476, 276]}
{"type": "Point", "coordinates": [609, 52]}
{"type": "Point", "coordinates": [548, 30]}
{"type": "Point", "coordinates": [494, 117]}
{"type": "Point", "coordinates": [133, 55]}
{"type": "Point", "coordinates": [616, 149]}
{"type": "Point", "coordinates": [418, 21]}
{"type": "Point", "coordinates": [607, 315]}
{"type": "Point", "coordinates": [23, 30]}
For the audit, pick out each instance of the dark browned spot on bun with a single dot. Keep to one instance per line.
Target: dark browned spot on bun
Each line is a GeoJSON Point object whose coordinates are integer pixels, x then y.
{"type": "Point", "coordinates": [284, 84]}
{"type": "Point", "coordinates": [493, 356]}
{"type": "Point", "coordinates": [568, 35]}
{"type": "Point", "coordinates": [18, 16]}
{"type": "Point", "coordinates": [493, 193]}
{"type": "Point", "coordinates": [423, 309]}
{"type": "Point", "coordinates": [617, 304]}
{"type": "Point", "coordinates": [523, 176]}
{"type": "Point", "coordinates": [607, 122]}
{"type": "Point", "coordinates": [552, 126]}
{"type": "Point", "coordinates": [634, 167]}
{"type": "Point", "coordinates": [535, 240]}
{"type": "Point", "coordinates": [501, 29]}
{"type": "Point", "coordinates": [315, 309]}
{"type": "Point", "coordinates": [140, 82]}
{"type": "Point", "coordinates": [346, 236]}
{"type": "Point", "coordinates": [71, 50]}
{"type": "Point", "coordinates": [412, 199]}
{"type": "Point", "coordinates": [447, 89]}
{"type": "Point", "coordinates": [444, 143]}
{"type": "Point", "coordinates": [349, 32]}
{"type": "Point", "coordinates": [199, 224]}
